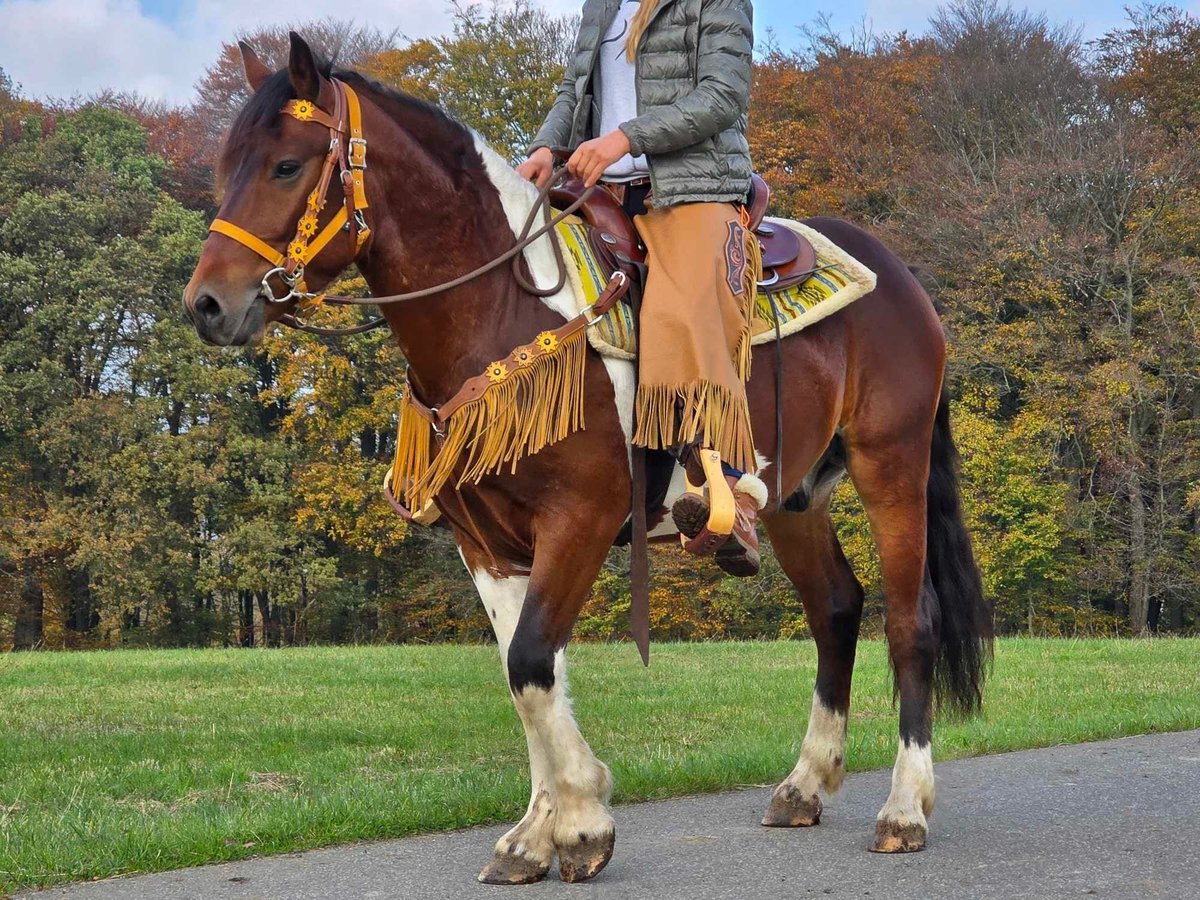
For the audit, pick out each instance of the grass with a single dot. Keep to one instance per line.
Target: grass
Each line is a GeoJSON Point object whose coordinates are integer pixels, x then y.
{"type": "Point", "coordinates": [133, 761]}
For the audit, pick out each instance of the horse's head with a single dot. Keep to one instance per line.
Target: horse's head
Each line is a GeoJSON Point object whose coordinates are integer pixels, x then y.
{"type": "Point", "coordinates": [271, 168]}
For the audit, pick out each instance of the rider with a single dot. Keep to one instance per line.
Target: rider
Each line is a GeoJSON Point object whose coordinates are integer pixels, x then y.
{"type": "Point", "coordinates": [654, 106]}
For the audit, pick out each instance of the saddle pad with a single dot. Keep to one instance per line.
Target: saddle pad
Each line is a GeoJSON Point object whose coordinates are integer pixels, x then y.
{"type": "Point", "coordinates": [839, 281]}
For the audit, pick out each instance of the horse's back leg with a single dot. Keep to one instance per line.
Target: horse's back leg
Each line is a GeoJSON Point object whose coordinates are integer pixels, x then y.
{"type": "Point", "coordinates": [807, 547]}
{"type": "Point", "coordinates": [891, 477]}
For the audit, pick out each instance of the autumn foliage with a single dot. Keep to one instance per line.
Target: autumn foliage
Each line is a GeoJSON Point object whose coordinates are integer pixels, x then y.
{"type": "Point", "coordinates": [1047, 190]}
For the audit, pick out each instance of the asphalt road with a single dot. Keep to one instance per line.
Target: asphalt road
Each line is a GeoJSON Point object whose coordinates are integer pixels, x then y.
{"type": "Point", "coordinates": [1116, 819]}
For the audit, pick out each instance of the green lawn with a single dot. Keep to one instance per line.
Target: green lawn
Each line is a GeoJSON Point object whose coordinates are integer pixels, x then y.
{"type": "Point", "coordinates": [133, 761]}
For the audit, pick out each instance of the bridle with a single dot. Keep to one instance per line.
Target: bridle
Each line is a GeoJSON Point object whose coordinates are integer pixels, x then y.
{"type": "Point", "coordinates": [347, 155]}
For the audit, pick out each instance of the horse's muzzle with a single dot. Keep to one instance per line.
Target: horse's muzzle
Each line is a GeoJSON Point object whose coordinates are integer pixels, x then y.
{"type": "Point", "coordinates": [224, 322]}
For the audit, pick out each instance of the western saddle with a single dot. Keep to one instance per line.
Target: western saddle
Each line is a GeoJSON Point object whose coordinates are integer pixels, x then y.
{"type": "Point", "coordinates": [788, 258]}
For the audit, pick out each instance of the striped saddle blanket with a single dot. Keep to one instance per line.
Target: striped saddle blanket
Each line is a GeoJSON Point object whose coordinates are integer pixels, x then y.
{"type": "Point", "coordinates": [839, 280]}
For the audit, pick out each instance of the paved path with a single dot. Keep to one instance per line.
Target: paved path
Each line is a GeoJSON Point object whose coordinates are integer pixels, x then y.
{"type": "Point", "coordinates": [1117, 819]}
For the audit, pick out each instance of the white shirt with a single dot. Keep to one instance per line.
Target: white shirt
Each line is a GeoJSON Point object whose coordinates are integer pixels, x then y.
{"type": "Point", "coordinates": [618, 92]}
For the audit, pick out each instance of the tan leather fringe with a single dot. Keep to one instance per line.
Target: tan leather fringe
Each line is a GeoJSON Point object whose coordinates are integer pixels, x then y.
{"type": "Point", "coordinates": [749, 297]}
{"type": "Point", "coordinates": [413, 441]}
{"type": "Point", "coordinates": [535, 406]}
{"type": "Point", "coordinates": [668, 415]}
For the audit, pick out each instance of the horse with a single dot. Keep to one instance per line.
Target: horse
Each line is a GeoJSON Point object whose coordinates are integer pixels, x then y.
{"type": "Point", "coordinates": [867, 400]}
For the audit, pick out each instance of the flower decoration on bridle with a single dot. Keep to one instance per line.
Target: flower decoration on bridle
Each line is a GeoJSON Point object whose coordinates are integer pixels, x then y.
{"type": "Point", "coordinates": [300, 109]}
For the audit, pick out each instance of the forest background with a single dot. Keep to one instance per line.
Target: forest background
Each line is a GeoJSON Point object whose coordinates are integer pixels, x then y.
{"type": "Point", "coordinates": [157, 492]}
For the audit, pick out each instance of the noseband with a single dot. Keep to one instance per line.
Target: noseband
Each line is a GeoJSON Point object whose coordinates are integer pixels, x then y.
{"type": "Point", "coordinates": [348, 154]}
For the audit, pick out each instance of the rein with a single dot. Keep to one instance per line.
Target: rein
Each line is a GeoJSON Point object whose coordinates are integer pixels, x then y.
{"type": "Point", "coordinates": [348, 154]}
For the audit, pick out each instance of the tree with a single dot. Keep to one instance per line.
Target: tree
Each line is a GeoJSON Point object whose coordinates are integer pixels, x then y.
{"type": "Point", "coordinates": [832, 128]}
{"type": "Point", "coordinates": [497, 71]}
{"type": "Point", "coordinates": [1154, 65]}
{"type": "Point", "coordinates": [222, 90]}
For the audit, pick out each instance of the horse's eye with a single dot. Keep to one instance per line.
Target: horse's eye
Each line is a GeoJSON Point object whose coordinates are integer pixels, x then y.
{"type": "Point", "coordinates": [287, 168]}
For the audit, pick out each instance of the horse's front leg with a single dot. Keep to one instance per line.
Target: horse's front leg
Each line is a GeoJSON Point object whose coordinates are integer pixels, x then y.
{"type": "Point", "coordinates": [568, 809]}
{"type": "Point", "coordinates": [524, 854]}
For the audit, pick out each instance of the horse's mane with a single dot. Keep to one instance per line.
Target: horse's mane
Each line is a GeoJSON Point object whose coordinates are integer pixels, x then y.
{"type": "Point", "coordinates": [446, 139]}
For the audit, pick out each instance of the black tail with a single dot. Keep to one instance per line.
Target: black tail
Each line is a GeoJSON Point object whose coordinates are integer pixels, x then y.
{"type": "Point", "coordinates": [965, 646]}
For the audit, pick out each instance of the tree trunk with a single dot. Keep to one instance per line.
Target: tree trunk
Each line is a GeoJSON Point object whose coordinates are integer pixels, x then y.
{"type": "Point", "coordinates": [1139, 576]}
{"type": "Point", "coordinates": [246, 617]}
{"type": "Point", "coordinates": [28, 631]}
{"type": "Point", "coordinates": [271, 620]}
{"type": "Point", "coordinates": [82, 614]}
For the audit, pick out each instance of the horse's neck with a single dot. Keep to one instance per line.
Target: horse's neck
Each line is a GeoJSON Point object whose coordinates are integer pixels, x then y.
{"type": "Point", "coordinates": [427, 238]}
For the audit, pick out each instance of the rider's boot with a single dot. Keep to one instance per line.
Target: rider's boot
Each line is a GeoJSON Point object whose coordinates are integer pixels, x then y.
{"type": "Point", "coordinates": [737, 550]}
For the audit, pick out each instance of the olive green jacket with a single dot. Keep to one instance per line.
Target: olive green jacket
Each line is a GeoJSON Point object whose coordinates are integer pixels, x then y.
{"type": "Point", "coordinates": [693, 90]}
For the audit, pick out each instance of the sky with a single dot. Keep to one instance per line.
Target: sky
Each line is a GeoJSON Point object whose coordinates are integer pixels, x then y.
{"type": "Point", "coordinates": [159, 48]}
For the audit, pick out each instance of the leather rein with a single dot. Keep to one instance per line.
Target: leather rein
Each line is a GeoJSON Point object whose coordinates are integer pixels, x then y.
{"type": "Point", "coordinates": [348, 155]}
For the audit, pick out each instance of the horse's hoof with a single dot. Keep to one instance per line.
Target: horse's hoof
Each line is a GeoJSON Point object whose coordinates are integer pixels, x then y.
{"type": "Point", "coordinates": [896, 837]}
{"type": "Point", "coordinates": [587, 858]}
{"type": "Point", "coordinates": [790, 809]}
{"type": "Point", "coordinates": [508, 868]}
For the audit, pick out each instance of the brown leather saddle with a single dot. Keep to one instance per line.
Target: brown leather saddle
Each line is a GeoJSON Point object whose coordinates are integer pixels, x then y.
{"type": "Point", "coordinates": [788, 258]}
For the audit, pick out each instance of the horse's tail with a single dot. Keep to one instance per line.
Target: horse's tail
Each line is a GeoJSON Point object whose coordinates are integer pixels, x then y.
{"type": "Point", "coordinates": [965, 644]}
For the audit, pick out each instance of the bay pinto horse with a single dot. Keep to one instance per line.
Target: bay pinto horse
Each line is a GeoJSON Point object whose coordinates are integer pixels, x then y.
{"type": "Point", "coordinates": [865, 397]}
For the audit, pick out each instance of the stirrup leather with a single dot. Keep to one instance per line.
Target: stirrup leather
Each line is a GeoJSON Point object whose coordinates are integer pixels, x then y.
{"type": "Point", "coordinates": [722, 509]}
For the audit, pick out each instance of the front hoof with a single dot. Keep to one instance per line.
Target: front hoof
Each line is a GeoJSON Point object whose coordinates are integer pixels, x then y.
{"type": "Point", "coordinates": [508, 868]}
{"type": "Point", "coordinates": [896, 837]}
{"type": "Point", "coordinates": [586, 859]}
{"type": "Point", "coordinates": [790, 809]}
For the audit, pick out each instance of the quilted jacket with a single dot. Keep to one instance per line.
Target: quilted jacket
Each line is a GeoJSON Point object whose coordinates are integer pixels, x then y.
{"type": "Point", "coordinates": [693, 72]}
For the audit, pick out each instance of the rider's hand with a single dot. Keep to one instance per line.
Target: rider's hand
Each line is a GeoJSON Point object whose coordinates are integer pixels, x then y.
{"type": "Point", "coordinates": [538, 168]}
{"type": "Point", "coordinates": [592, 157]}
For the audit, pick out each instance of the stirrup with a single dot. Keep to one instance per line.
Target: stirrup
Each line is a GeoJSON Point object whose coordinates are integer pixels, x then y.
{"type": "Point", "coordinates": [721, 506]}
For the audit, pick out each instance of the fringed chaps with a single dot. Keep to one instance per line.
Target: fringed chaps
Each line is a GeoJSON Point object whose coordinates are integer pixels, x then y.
{"type": "Point", "coordinates": [696, 327]}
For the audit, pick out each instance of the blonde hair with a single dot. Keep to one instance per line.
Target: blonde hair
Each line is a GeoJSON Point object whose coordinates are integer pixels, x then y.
{"type": "Point", "coordinates": [637, 25]}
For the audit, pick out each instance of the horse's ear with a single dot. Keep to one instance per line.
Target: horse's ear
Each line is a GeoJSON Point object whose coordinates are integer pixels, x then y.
{"type": "Point", "coordinates": [256, 71]}
{"type": "Point", "coordinates": [303, 71]}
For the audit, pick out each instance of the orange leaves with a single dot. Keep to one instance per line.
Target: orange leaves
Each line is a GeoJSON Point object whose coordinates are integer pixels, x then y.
{"type": "Point", "coordinates": [832, 133]}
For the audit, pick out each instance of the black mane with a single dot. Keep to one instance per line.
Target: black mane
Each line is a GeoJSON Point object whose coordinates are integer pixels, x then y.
{"type": "Point", "coordinates": [445, 138]}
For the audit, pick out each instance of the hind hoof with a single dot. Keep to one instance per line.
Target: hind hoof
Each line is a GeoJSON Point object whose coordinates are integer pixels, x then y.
{"type": "Point", "coordinates": [587, 858]}
{"type": "Point", "coordinates": [789, 809]}
{"type": "Point", "coordinates": [894, 837]}
{"type": "Point", "coordinates": [508, 868]}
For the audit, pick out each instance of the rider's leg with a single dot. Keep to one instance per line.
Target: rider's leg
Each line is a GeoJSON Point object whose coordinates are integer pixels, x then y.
{"type": "Point", "coordinates": [695, 327]}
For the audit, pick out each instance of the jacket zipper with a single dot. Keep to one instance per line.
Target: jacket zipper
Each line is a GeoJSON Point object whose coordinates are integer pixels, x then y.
{"type": "Point", "coordinates": [637, 104]}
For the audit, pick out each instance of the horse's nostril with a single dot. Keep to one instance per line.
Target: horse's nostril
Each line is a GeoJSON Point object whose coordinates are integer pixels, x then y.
{"type": "Point", "coordinates": [207, 307]}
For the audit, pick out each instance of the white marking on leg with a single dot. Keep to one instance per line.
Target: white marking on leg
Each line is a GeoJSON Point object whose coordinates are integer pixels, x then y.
{"type": "Point", "coordinates": [822, 760]}
{"type": "Point", "coordinates": [502, 599]}
{"type": "Point", "coordinates": [582, 784]}
{"type": "Point", "coordinates": [913, 793]}
{"type": "Point", "coordinates": [532, 837]}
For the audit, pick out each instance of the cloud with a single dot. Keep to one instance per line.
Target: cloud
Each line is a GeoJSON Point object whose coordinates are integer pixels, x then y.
{"type": "Point", "coordinates": [65, 47]}
{"type": "Point", "coordinates": [60, 48]}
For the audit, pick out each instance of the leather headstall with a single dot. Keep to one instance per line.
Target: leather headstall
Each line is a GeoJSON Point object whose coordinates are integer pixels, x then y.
{"type": "Point", "coordinates": [348, 155]}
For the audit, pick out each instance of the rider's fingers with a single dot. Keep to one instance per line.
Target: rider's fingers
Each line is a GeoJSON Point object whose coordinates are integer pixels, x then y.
{"type": "Point", "coordinates": [595, 170]}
